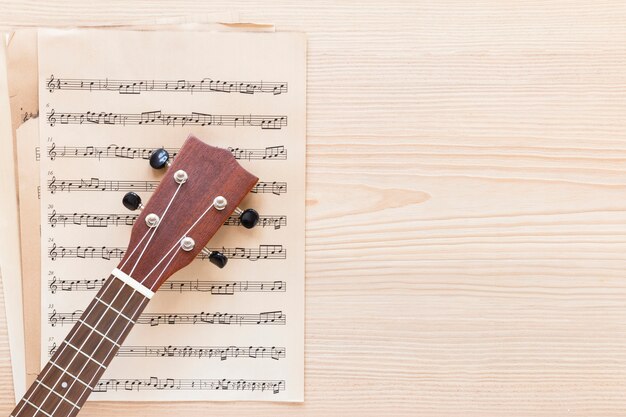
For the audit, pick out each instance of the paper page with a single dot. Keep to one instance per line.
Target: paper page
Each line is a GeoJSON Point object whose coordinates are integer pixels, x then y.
{"type": "Point", "coordinates": [27, 142]}
{"type": "Point", "coordinates": [24, 99]}
{"type": "Point", "coordinates": [22, 54]}
{"type": "Point", "coordinates": [9, 230]}
{"type": "Point", "coordinates": [21, 57]}
{"type": "Point", "coordinates": [242, 91]}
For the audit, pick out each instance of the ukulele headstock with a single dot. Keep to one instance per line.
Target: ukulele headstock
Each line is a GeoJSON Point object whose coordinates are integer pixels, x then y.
{"type": "Point", "coordinates": [202, 187]}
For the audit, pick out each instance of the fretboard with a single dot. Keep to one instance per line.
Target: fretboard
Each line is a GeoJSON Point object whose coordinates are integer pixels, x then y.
{"type": "Point", "coordinates": [66, 381]}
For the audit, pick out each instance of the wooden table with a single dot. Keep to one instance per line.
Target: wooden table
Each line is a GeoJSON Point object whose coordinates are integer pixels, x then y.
{"type": "Point", "coordinates": [466, 205]}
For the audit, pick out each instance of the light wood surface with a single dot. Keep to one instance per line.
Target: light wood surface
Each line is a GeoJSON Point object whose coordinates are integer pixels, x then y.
{"type": "Point", "coordinates": [466, 205]}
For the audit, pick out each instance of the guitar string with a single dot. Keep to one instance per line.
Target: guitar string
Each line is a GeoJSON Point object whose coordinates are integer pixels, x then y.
{"type": "Point", "coordinates": [162, 217]}
{"type": "Point", "coordinates": [176, 244]}
{"type": "Point", "coordinates": [115, 321]}
{"type": "Point", "coordinates": [144, 301]}
{"type": "Point", "coordinates": [164, 269]}
{"type": "Point", "coordinates": [112, 301]}
{"type": "Point", "coordinates": [112, 350]}
{"type": "Point", "coordinates": [94, 327]}
{"type": "Point", "coordinates": [136, 247]}
{"type": "Point", "coordinates": [61, 351]}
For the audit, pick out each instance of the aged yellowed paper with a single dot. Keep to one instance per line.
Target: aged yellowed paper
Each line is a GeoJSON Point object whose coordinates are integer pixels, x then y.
{"type": "Point", "coordinates": [24, 98]}
{"type": "Point", "coordinates": [9, 230]}
{"type": "Point", "coordinates": [27, 145]}
{"type": "Point", "coordinates": [21, 57]}
{"type": "Point", "coordinates": [107, 98]}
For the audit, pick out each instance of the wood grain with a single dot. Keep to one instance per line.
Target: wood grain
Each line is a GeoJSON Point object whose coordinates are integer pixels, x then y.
{"type": "Point", "coordinates": [466, 216]}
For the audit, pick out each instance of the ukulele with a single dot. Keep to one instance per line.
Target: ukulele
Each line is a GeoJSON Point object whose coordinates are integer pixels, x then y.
{"type": "Point", "coordinates": [201, 189]}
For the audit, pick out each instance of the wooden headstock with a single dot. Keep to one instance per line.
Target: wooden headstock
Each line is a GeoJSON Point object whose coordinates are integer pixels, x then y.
{"type": "Point", "coordinates": [184, 213]}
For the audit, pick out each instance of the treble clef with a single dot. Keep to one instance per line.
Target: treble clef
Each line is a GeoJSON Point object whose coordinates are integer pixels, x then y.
{"type": "Point", "coordinates": [51, 119]}
{"type": "Point", "coordinates": [52, 186]}
{"type": "Point", "coordinates": [51, 84]}
{"type": "Point", "coordinates": [53, 218]}
{"type": "Point", "coordinates": [53, 285]}
{"type": "Point", "coordinates": [53, 349]}
{"type": "Point", "coordinates": [52, 153]}
{"type": "Point", "coordinates": [53, 252]}
{"type": "Point", "coordinates": [53, 318]}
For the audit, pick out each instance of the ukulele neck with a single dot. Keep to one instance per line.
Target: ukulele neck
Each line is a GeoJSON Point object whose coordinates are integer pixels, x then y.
{"type": "Point", "coordinates": [76, 366]}
{"type": "Point", "coordinates": [201, 189]}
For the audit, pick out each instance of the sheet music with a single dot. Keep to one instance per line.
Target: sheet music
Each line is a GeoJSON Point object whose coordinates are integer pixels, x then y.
{"type": "Point", "coordinates": [22, 68]}
{"type": "Point", "coordinates": [107, 99]}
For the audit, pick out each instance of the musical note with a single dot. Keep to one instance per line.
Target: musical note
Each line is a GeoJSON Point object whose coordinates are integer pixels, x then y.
{"type": "Point", "coordinates": [138, 153]}
{"type": "Point", "coordinates": [213, 287]}
{"type": "Point", "coordinates": [110, 252]}
{"type": "Point", "coordinates": [252, 254]}
{"type": "Point", "coordinates": [264, 221]}
{"type": "Point", "coordinates": [157, 117]}
{"type": "Point", "coordinates": [209, 352]}
{"type": "Point", "coordinates": [205, 85]}
{"type": "Point", "coordinates": [154, 383]}
{"type": "Point", "coordinates": [275, 187]}
{"type": "Point", "coordinates": [97, 184]}
{"type": "Point", "coordinates": [275, 152]}
{"type": "Point", "coordinates": [270, 317]}
{"type": "Point", "coordinates": [118, 219]}
{"type": "Point", "coordinates": [85, 252]}
{"type": "Point", "coordinates": [157, 319]}
{"type": "Point", "coordinates": [98, 140]}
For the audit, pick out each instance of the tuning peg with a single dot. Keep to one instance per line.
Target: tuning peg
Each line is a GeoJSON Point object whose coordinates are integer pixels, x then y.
{"type": "Point", "coordinates": [248, 217]}
{"type": "Point", "coordinates": [132, 201]}
{"type": "Point", "coordinates": [160, 158]}
{"type": "Point", "coordinates": [216, 258]}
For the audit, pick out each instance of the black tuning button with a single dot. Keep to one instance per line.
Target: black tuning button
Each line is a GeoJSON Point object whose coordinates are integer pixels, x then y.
{"type": "Point", "coordinates": [159, 158]}
{"type": "Point", "coordinates": [249, 218]}
{"type": "Point", "coordinates": [132, 201]}
{"type": "Point", "coordinates": [218, 259]}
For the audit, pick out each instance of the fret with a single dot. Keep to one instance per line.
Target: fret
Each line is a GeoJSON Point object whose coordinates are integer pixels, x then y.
{"type": "Point", "coordinates": [58, 381]}
{"type": "Point", "coordinates": [56, 393]}
{"type": "Point", "coordinates": [128, 301]}
{"type": "Point", "coordinates": [89, 343]}
{"type": "Point", "coordinates": [84, 354]}
{"type": "Point", "coordinates": [71, 375]}
{"type": "Point", "coordinates": [67, 380]}
{"type": "Point", "coordinates": [119, 313]}
{"type": "Point", "coordinates": [42, 399]}
{"type": "Point", "coordinates": [36, 407]}
{"type": "Point", "coordinates": [98, 332]}
{"type": "Point", "coordinates": [77, 365]}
